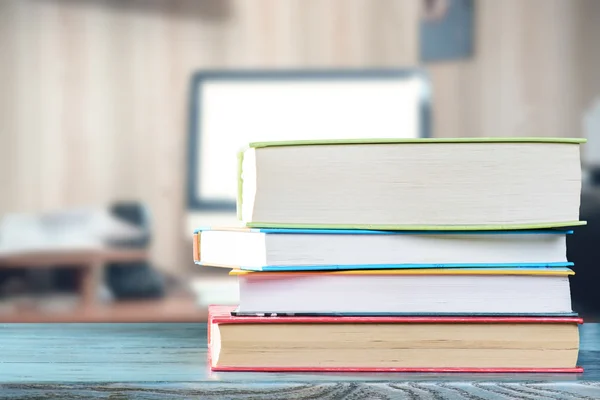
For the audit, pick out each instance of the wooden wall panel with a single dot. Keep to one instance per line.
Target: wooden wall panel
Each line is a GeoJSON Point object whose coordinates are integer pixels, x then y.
{"type": "Point", "coordinates": [94, 93]}
{"type": "Point", "coordinates": [524, 79]}
{"type": "Point", "coordinates": [588, 51]}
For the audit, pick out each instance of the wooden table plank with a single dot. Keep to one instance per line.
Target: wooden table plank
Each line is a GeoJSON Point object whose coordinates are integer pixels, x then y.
{"type": "Point", "coordinates": [148, 361]}
{"type": "Point", "coordinates": [172, 308]}
{"type": "Point", "coordinates": [75, 258]}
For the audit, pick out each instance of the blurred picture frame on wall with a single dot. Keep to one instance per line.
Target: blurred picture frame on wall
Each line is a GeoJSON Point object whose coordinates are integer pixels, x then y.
{"type": "Point", "coordinates": [446, 30]}
{"type": "Point", "coordinates": [230, 108]}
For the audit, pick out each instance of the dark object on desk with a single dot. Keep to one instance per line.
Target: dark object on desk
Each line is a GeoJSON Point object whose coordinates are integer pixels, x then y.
{"type": "Point", "coordinates": [23, 281]}
{"type": "Point", "coordinates": [583, 249]}
{"type": "Point", "coordinates": [142, 361]}
{"type": "Point", "coordinates": [136, 214]}
{"type": "Point", "coordinates": [134, 280]}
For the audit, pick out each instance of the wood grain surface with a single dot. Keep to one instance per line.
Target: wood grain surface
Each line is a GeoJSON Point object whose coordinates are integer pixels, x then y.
{"type": "Point", "coordinates": [154, 361]}
{"type": "Point", "coordinates": [341, 390]}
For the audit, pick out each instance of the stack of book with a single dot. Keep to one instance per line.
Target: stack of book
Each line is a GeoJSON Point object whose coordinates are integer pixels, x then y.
{"type": "Point", "coordinates": [400, 255]}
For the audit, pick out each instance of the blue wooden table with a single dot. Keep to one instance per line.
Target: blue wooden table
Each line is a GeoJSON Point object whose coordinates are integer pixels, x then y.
{"type": "Point", "coordinates": [155, 361]}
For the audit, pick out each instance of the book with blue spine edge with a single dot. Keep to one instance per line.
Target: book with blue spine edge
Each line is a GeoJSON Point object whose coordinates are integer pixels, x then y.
{"type": "Point", "coordinates": [251, 249]}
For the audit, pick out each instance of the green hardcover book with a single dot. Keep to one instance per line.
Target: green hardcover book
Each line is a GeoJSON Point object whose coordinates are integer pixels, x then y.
{"type": "Point", "coordinates": [411, 184]}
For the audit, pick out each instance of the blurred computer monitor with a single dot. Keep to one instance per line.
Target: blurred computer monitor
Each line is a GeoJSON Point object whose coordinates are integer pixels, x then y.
{"type": "Point", "coordinates": [229, 109]}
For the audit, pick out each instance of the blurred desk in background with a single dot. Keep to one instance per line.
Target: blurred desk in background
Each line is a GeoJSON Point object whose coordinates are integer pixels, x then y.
{"type": "Point", "coordinates": [89, 263]}
{"type": "Point", "coordinates": [90, 308]}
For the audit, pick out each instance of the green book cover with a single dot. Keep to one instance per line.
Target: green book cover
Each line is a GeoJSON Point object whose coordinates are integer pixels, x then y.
{"type": "Point", "coordinates": [417, 141]}
{"type": "Point", "coordinates": [391, 227]}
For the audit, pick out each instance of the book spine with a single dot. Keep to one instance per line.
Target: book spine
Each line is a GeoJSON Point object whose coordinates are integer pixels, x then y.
{"type": "Point", "coordinates": [196, 247]}
{"type": "Point", "coordinates": [240, 184]}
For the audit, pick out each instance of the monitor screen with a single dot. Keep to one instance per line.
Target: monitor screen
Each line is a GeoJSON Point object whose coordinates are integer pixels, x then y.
{"type": "Point", "coordinates": [230, 110]}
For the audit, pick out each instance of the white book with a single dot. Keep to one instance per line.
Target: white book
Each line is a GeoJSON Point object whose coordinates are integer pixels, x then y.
{"type": "Point", "coordinates": [485, 183]}
{"type": "Point", "coordinates": [421, 291]}
{"type": "Point", "coordinates": [295, 249]}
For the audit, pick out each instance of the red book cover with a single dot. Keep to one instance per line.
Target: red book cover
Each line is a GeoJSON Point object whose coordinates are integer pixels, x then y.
{"type": "Point", "coordinates": [222, 315]}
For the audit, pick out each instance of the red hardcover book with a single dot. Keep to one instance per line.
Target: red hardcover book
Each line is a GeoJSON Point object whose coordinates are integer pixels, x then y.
{"type": "Point", "coordinates": [251, 344]}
